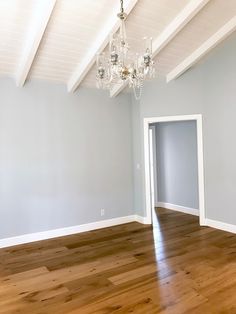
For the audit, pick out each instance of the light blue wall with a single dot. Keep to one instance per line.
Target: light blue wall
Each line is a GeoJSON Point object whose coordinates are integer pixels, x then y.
{"type": "Point", "coordinates": [63, 157]}
{"type": "Point", "coordinates": [208, 89]}
{"type": "Point", "coordinates": [177, 165]}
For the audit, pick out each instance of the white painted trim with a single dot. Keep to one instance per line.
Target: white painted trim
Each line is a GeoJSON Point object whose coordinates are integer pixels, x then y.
{"type": "Point", "coordinates": [183, 18]}
{"type": "Point", "coordinates": [198, 119]}
{"type": "Point", "coordinates": [201, 189]}
{"type": "Point", "coordinates": [208, 45]}
{"type": "Point", "coordinates": [221, 225]}
{"type": "Point", "coordinates": [182, 209]}
{"type": "Point", "coordinates": [175, 26]}
{"type": "Point", "coordinates": [187, 117]}
{"type": "Point", "coordinates": [148, 199]}
{"type": "Point", "coordinates": [151, 163]}
{"type": "Point", "coordinates": [142, 220]}
{"type": "Point", "coordinates": [111, 26]}
{"type": "Point", "coordinates": [41, 15]}
{"type": "Point", "coordinates": [44, 235]}
{"type": "Point", "coordinates": [154, 170]}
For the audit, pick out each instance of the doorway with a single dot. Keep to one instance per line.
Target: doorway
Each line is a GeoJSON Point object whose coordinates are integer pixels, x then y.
{"type": "Point", "coordinates": [151, 185]}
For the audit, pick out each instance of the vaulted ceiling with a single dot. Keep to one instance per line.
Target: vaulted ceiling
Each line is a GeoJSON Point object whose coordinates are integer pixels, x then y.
{"type": "Point", "coordinates": [57, 40]}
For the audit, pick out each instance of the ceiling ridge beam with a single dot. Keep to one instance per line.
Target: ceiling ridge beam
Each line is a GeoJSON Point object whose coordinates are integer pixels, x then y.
{"type": "Point", "coordinates": [111, 26]}
{"type": "Point", "coordinates": [40, 19]}
{"type": "Point", "coordinates": [172, 29]}
{"type": "Point", "coordinates": [208, 45]}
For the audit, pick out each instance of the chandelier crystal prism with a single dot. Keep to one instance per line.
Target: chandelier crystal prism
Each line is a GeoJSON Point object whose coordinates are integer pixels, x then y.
{"type": "Point", "coordinates": [121, 65]}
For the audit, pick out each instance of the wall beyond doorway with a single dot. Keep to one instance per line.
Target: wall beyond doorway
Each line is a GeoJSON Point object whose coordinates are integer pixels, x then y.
{"type": "Point", "coordinates": [176, 163]}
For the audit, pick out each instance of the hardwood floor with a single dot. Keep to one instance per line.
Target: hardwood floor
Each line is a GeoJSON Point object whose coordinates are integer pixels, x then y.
{"type": "Point", "coordinates": [176, 267]}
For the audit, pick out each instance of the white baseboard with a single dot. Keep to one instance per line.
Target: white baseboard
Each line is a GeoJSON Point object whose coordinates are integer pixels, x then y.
{"type": "Point", "coordinates": [142, 220]}
{"type": "Point", "coordinates": [45, 235]}
{"type": "Point", "coordinates": [183, 209]}
{"type": "Point", "coordinates": [220, 225]}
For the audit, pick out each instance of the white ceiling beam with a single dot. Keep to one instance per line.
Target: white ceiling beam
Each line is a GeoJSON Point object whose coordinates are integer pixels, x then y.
{"type": "Point", "coordinates": [112, 25]}
{"type": "Point", "coordinates": [40, 18]}
{"type": "Point", "coordinates": [208, 45]}
{"type": "Point", "coordinates": [178, 23]}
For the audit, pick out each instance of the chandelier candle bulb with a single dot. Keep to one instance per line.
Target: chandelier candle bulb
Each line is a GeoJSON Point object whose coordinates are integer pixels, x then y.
{"type": "Point", "coordinates": [123, 66]}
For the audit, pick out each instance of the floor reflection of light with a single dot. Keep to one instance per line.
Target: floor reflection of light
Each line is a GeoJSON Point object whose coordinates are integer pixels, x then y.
{"type": "Point", "coordinates": [158, 238]}
{"type": "Point", "coordinates": [167, 278]}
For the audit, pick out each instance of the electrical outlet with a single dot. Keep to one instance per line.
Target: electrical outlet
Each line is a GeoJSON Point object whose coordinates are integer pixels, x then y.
{"type": "Point", "coordinates": [102, 212]}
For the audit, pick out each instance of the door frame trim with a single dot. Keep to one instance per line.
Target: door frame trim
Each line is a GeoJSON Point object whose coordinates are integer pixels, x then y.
{"type": "Point", "coordinates": [201, 189]}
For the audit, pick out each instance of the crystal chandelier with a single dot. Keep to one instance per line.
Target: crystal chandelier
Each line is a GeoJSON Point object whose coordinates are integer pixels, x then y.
{"type": "Point", "coordinates": [120, 65]}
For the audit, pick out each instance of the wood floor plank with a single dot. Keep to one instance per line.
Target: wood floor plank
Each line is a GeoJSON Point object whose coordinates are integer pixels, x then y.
{"type": "Point", "coordinates": [176, 267]}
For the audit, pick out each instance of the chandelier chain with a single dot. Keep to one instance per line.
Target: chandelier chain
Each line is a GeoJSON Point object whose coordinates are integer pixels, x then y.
{"type": "Point", "coordinates": [121, 6]}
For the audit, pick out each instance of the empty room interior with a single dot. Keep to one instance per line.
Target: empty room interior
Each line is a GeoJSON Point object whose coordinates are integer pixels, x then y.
{"type": "Point", "coordinates": [117, 156]}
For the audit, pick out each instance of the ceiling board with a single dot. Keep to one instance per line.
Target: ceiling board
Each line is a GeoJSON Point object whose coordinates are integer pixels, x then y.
{"type": "Point", "coordinates": [75, 24]}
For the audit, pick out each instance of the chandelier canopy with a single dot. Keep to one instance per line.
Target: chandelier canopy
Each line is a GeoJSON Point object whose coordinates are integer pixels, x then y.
{"type": "Point", "coordinates": [121, 65]}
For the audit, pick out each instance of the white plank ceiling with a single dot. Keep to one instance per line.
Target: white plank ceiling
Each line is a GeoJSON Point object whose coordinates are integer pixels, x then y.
{"type": "Point", "coordinates": [72, 26]}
